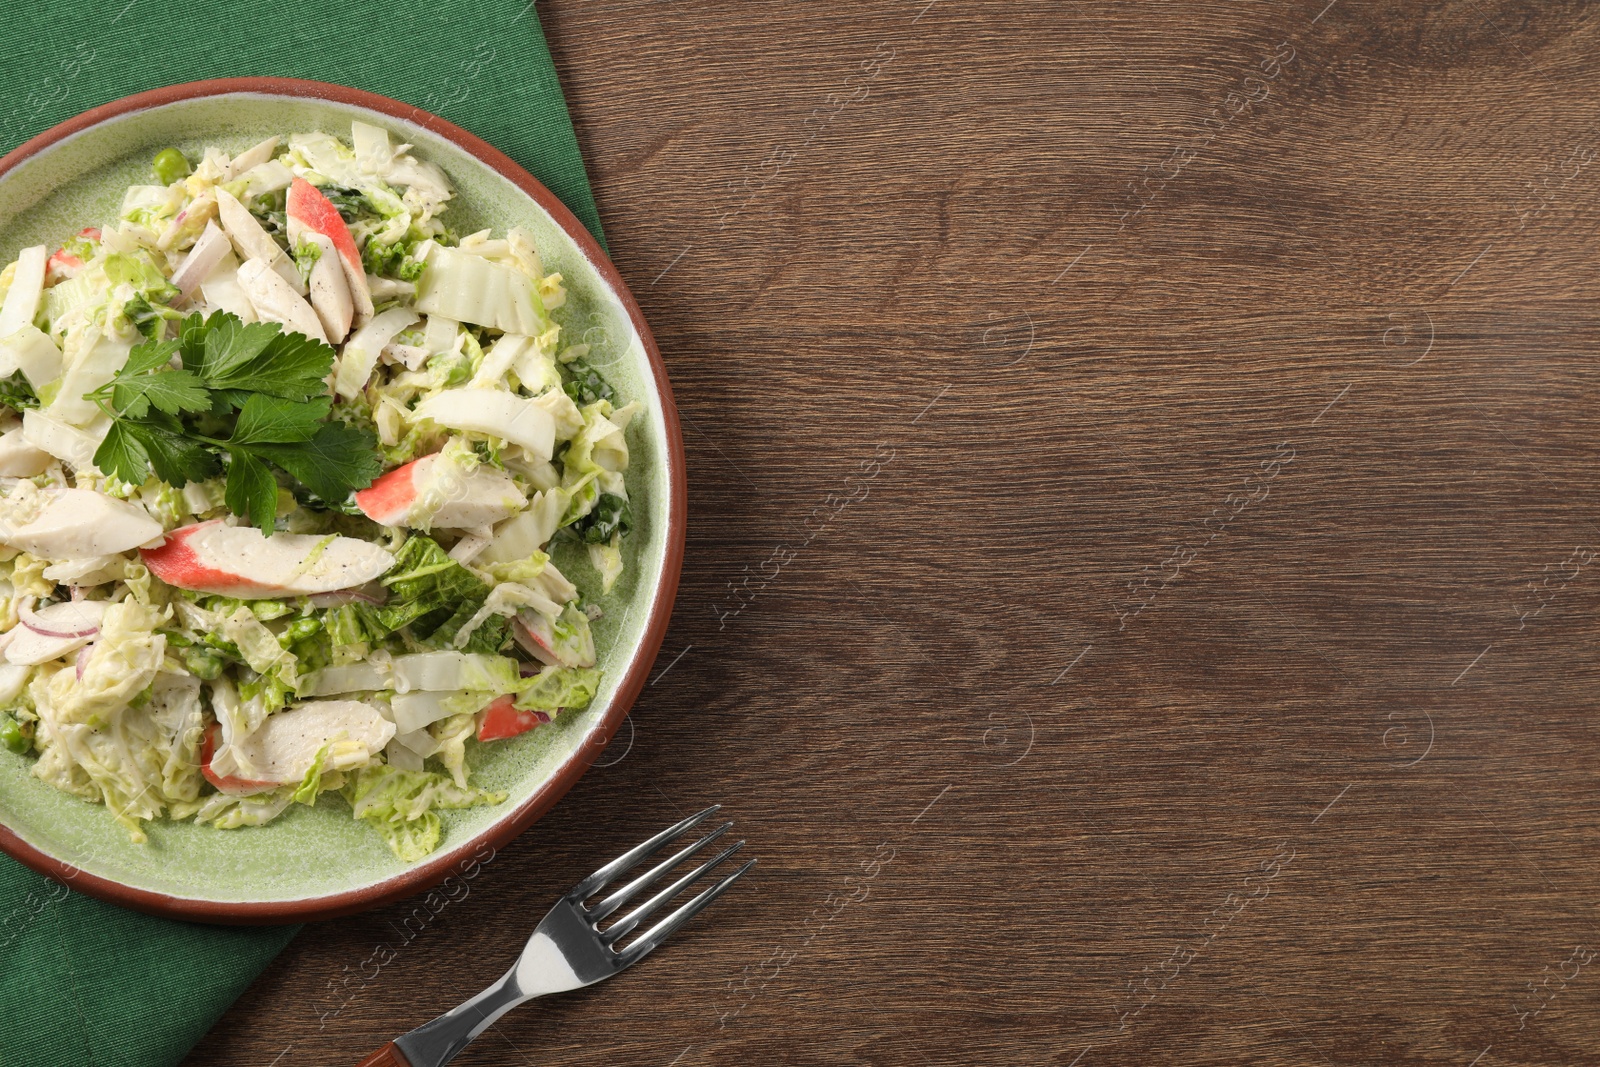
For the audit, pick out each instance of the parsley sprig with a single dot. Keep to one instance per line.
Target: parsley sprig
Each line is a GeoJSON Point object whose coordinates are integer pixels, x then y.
{"type": "Point", "coordinates": [246, 398]}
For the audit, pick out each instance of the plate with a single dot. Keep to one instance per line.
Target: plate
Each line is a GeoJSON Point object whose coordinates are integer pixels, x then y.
{"type": "Point", "coordinates": [318, 862]}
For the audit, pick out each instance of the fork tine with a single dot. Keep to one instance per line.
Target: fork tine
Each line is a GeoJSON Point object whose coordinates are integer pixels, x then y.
{"type": "Point", "coordinates": [589, 885]}
{"type": "Point", "coordinates": [651, 939]}
{"type": "Point", "coordinates": [622, 926]}
{"type": "Point", "coordinates": [633, 888]}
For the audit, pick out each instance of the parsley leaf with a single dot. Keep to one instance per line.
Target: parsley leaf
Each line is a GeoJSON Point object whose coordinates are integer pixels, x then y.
{"type": "Point", "coordinates": [338, 459]}
{"type": "Point", "coordinates": [231, 343]}
{"type": "Point", "coordinates": [192, 341]}
{"type": "Point", "coordinates": [610, 515]}
{"type": "Point", "coordinates": [291, 366]}
{"type": "Point", "coordinates": [272, 420]}
{"type": "Point", "coordinates": [224, 402]}
{"type": "Point", "coordinates": [143, 315]}
{"type": "Point", "coordinates": [272, 388]}
{"type": "Point", "coordinates": [148, 357]}
{"type": "Point", "coordinates": [586, 385]}
{"type": "Point", "coordinates": [177, 459]}
{"type": "Point", "coordinates": [171, 391]}
{"type": "Point", "coordinates": [122, 455]}
{"type": "Point", "coordinates": [131, 449]}
{"type": "Point", "coordinates": [135, 388]}
{"type": "Point", "coordinates": [252, 492]}
{"type": "Point", "coordinates": [16, 392]}
{"type": "Point", "coordinates": [351, 204]}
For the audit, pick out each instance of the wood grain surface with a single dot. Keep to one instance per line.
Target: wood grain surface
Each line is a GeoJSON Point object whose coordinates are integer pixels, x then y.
{"type": "Point", "coordinates": [1141, 592]}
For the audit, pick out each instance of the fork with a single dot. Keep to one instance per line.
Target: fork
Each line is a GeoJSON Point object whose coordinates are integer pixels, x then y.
{"type": "Point", "coordinates": [568, 950]}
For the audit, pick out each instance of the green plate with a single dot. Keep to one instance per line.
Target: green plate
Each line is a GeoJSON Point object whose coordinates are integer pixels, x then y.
{"type": "Point", "coordinates": [318, 862]}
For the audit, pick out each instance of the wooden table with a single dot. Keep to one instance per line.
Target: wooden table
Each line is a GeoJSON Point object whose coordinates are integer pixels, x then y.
{"type": "Point", "coordinates": [1141, 591]}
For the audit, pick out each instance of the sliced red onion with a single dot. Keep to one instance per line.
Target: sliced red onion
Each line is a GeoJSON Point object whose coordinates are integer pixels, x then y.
{"type": "Point", "coordinates": [202, 259]}
{"type": "Point", "coordinates": [371, 593]}
{"type": "Point", "coordinates": [26, 616]}
{"type": "Point", "coordinates": [375, 591]}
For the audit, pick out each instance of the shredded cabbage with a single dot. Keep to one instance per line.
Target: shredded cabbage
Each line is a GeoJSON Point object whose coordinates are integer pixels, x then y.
{"type": "Point", "coordinates": [451, 735]}
{"type": "Point", "coordinates": [400, 804]}
{"type": "Point", "coordinates": [557, 688]}
{"type": "Point", "coordinates": [228, 812]}
{"type": "Point", "coordinates": [607, 559]}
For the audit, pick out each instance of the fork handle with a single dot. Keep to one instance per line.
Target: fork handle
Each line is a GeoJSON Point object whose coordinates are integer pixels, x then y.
{"type": "Point", "coordinates": [436, 1043]}
{"type": "Point", "coordinates": [387, 1056]}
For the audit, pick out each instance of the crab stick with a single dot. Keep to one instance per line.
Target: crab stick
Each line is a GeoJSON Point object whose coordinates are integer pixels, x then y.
{"type": "Point", "coordinates": [285, 746]}
{"type": "Point", "coordinates": [434, 492]}
{"type": "Point", "coordinates": [27, 287]}
{"type": "Point", "coordinates": [330, 293]}
{"type": "Point", "coordinates": [240, 561]}
{"type": "Point", "coordinates": [227, 783]}
{"type": "Point", "coordinates": [19, 458]}
{"type": "Point", "coordinates": [573, 647]}
{"type": "Point", "coordinates": [254, 242]}
{"type": "Point", "coordinates": [276, 301]}
{"type": "Point", "coordinates": [502, 720]}
{"type": "Point", "coordinates": [81, 524]}
{"type": "Point", "coordinates": [309, 211]}
{"type": "Point", "coordinates": [208, 252]}
{"type": "Point", "coordinates": [61, 439]}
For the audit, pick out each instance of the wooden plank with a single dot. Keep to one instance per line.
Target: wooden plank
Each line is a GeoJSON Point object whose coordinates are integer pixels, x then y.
{"type": "Point", "coordinates": [1204, 671]}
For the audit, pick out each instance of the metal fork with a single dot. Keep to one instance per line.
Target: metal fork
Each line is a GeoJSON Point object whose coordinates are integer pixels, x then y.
{"type": "Point", "coordinates": [568, 950]}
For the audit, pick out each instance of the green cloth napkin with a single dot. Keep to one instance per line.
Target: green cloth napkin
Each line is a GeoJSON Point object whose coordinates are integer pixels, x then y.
{"type": "Point", "coordinates": [85, 983]}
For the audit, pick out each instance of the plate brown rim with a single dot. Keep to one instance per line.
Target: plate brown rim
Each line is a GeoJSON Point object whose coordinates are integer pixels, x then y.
{"type": "Point", "coordinates": [463, 859]}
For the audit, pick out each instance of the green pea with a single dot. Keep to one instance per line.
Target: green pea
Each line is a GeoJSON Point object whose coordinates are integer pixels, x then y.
{"type": "Point", "coordinates": [220, 643]}
{"type": "Point", "coordinates": [170, 166]}
{"type": "Point", "coordinates": [12, 737]}
{"type": "Point", "coordinates": [202, 664]}
{"type": "Point", "coordinates": [267, 610]}
{"type": "Point", "coordinates": [299, 630]}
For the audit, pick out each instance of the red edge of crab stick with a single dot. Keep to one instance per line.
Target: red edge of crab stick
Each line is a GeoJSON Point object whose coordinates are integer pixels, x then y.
{"type": "Point", "coordinates": [61, 260]}
{"type": "Point", "coordinates": [311, 209]}
{"type": "Point", "coordinates": [227, 783]}
{"type": "Point", "coordinates": [388, 500]}
{"type": "Point", "coordinates": [175, 563]}
{"type": "Point", "coordinates": [211, 557]}
{"type": "Point", "coordinates": [501, 720]}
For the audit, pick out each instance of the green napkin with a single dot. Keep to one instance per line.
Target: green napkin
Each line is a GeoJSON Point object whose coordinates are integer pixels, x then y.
{"type": "Point", "coordinates": [83, 982]}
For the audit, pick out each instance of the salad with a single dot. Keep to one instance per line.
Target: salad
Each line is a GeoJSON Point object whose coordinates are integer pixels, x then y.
{"type": "Point", "coordinates": [282, 460]}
